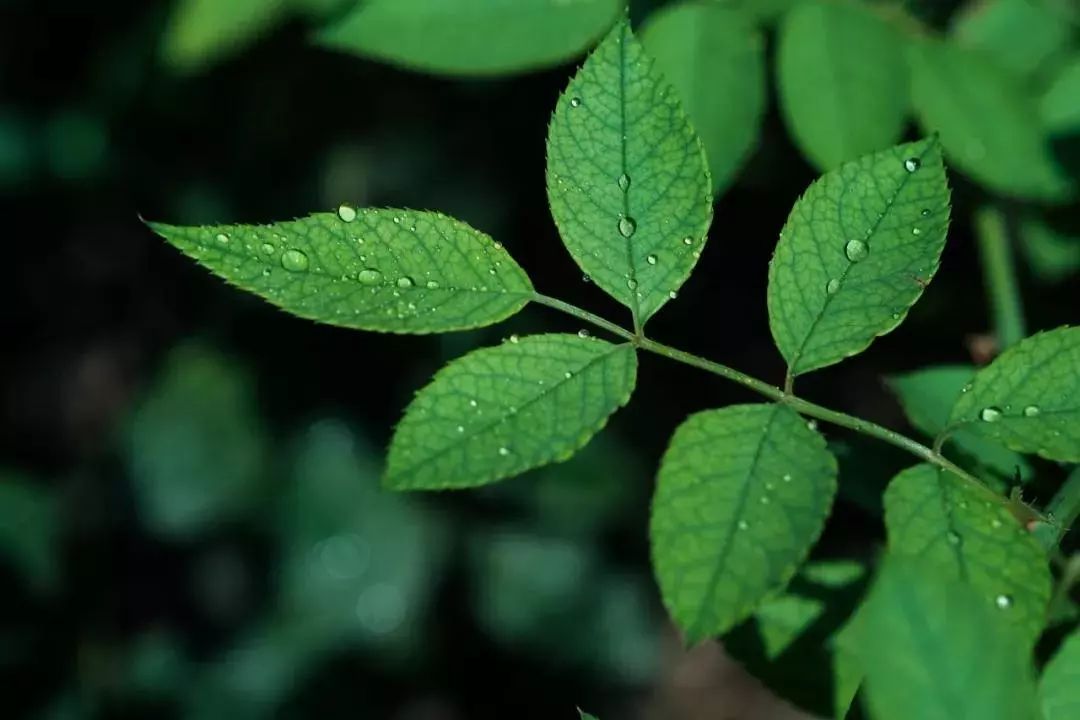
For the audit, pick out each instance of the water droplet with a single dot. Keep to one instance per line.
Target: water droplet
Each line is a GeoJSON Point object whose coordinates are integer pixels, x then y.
{"type": "Point", "coordinates": [514, 339]}
{"type": "Point", "coordinates": [672, 294]}
{"type": "Point", "coordinates": [586, 278]}
{"type": "Point", "coordinates": [1031, 411]}
{"type": "Point", "coordinates": [912, 164]}
{"type": "Point", "coordinates": [568, 374]}
{"type": "Point", "coordinates": [990, 414]}
{"type": "Point", "coordinates": [765, 500]}
{"type": "Point", "coordinates": [369, 276]}
{"type": "Point", "coordinates": [461, 428]}
{"type": "Point", "coordinates": [916, 231]}
{"type": "Point", "coordinates": [954, 537]}
{"type": "Point", "coordinates": [405, 282]}
{"type": "Point", "coordinates": [575, 102]}
{"type": "Point", "coordinates": [966, 388]}
{"type": "Point", "coordinates": [787, 477]}
{"type": "Point", "coordinates": [743, 525]}
{"type": "Point", "coordinates": [651, 259]}
{"type": "Point", "coordinates": [294, 261]}
{"type": "Point", "coordinates": [688, 240]}
{"type": "Point", "coordinates": [925, 212]}
{"type": "Point", "coordinates": [347, 213]}
{"type": "Point", "coordinates": [473, 403]}
{"type": "Point", "coordinates": [432, 285]}
{"type": "Point", "coordinates": [624, 182]}
{"type": "Point", "coordinates": [1004, 602]}
{"type": "Point", "coordinates": [627, 226]}
{"type": "Point", "coordinates": [811, 424]}
{"type": "Point", "coordinates": [223, 238]}
{"type": "Point", "coordinates": [583, 333]}
{"type": "Point", "coordinates": [504, 451]}
{"type": "Point", "coordinates": [832, 286]}
{"type": "Point", "coordinates": [856, 250]}
{"type": "Point", "coordinates": [995, 523]}
{"type": "Point", "coordinates": [267, 249]}
{"type": "Point", "coordinates": [631, 283]}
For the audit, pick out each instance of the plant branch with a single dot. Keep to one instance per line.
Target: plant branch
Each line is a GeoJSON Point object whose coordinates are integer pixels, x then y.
{"type": "Point", "coordinates": [999, 275]}
{"type": "Point", "coordinates": [585, 315]}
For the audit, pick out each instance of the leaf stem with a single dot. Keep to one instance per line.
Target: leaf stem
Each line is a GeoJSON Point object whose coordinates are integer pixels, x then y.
{"type": "Point", "coordinates": [999, 275]}
{"type": "Point", "coordinates": [1063, 510]}
{"type": "Point", "coordinates": [585, 315]}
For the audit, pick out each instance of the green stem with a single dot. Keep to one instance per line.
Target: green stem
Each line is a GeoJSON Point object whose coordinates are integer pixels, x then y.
{"type": "Point", "coordinates": [999, 275]}
{"type": "Point", "coordinates": [584, 315]}
{"type": "Point", "coordinates": [1064, 509]}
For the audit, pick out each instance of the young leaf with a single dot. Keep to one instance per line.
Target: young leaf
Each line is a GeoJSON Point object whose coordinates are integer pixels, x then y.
{"type": "Point", "coordinates": [471, 37]}
{"type": "Point", "coordinates": [857, 250]}
{"type": "Point", "coordinates": [1019, 35]}
{"type": "Point", "coordinates": [928, 396]}
{"type": "Point", "coordinates": [988, 121]}
{"type": "Point", "coordinates": [943, 522]}
{"type": "Point", "coordinates": [396, 271]}
{"type": "Point", "coordinates": [933, 650]}
{"type": "Point", "coordinates": [627, 177]}
{"type": "Point", "coordinates": [1029, 397]}
{"type": "Point", "coordinates": [842, 79]}
{"type": "Point", "coordinates": [500, 411]}
{"type": "Point", "coordinates": [200, 32]}
{"type": "Point", "coordinates": [715, 58]}
{"type": "Point", "coordinates": [741, 496]}
{"type": "Point", "coordinates": [1059, 688]}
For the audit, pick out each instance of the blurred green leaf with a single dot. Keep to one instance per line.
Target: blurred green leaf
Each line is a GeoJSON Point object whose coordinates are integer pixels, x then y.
{"type": "Point", "coordinates": [947, 523]}
{"type": "Point", "coordinates": [1029, 398]}
{"type": "Point", "coordinates": [18, 149]}
{"type": "Point", "coordinates": [627, 177]}
{"type": "Point", "coordinates": [715, 58]}
{"type": "Point", "coordinates": [499, 411]}
{"type": "Point", "coordinates": [471, 37]}
{"type": "Point", "coordinates": [734, 514]}
{"type": "Point", "coordinates": [1059, 688]}
{"type": "Point", "coordinates": [928, 395]}
{"type": "Point", "coordinates": [76, 145]}
{"type": "Point", "coordinates": [387, 270]}
{"type": "Point", "coordinates": [934, 650]}
{"type": "Point", "coordinates": [195, 446]}
{"type": "Point", "coordinates": [1052, 255]}
{"type": "Point", "coordinates": [201, 32]}
{"type": "Point", "coordinates": [856, 252]}
{"type": "Point", "coordinates": [842, 80]}
{"type": "Point", "coordinates": [988, 121]}
{"type": "Point", "coordinates": [1060, 104]}
{"type": "Point", "coordinates": [1020, 35]}
{"type": "Point", "coordinates": [29, 529]}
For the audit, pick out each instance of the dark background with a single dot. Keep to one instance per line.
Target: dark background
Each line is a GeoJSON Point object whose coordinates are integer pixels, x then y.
{"type": "Point", "coordinates": [533, 596]}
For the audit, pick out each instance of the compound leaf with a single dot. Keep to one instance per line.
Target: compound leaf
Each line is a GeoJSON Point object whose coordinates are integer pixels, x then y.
{"type": "Point", "coordinates": [742, 494]}
{"type": "Point", "coordinates": [857, 251]}
{"type": "Point", "coordinates": [1059, 688]}
{"type": "Point", "coordinates": [988, 122]}
{"type": "Point", "coordinates": [627, 177]}
{"type": "Point", "coordinates": [1029, 397]}
{"type": "Point", "coordinates": [500, 411]}
{"type": "Point", "coordinates": [471, 37]}
{"type": "Point", "coordinates": [932, 649]}
{"type": "Point", "coordinates": [842, 80]}
{"type": "Point", "coordinates": [398, 271]}
{"type": "Point", "coordinates": [715, 58]}
{"type": "Point", "coordinates": [962, 531]}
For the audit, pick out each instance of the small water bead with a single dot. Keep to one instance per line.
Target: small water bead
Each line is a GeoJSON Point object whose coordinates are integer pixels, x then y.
{"type": "Point", "coordinates": [1004, 602]}
{"type": "Point", "coordinates": [222, 238]}
{"type": "Point", "coordinates": [627, 226]}
{"type": "Point", "coordinates": [567, 375]}
{"type": "Point", "coordinates": [405, 282]}
{"type": "Point", "coordinates": [586, 279]}
{"type": "Point", "coordinates": [347, 213]}
{"type": "Point", "coordinates": [624, 182]}
{"type": "Point", "coordinates": [954, 537]}
{"type": "Point", "coordinates": [743, 525]}
{"type": "Point", "coordinates": [432, 285]}
{"type": "Point", "coordinates": [832, 287]}
{"type": "Point", "coordinates": [473, 403]}
{"type": "Point", "coordinates": [504, 451]}
{"type": "Point", "coordinates": [765, 500]}
{"type": "Point", "coordinates": [575, 102]}
{"type": "Point", "coordinates": [369, 276]}
{"type": "Point", "coordinates": [583, 333]}
{"type": "Point", "coordinates": [461, 428]}
{"type": "Point", "coordinates": [912, 164]}
{"type": "Point", "coordinates": [294, 261]}
{"type": "Point", "coordinates": [856, 250]}
{"type": "Point", "coordinates": [916, 231]}
{"type": "Point", "coordinates": [267, 249]}
{"type": "Point", "coordinates": [688, 240]}
{"type": "Point", "coordinates": [925, 212]}
{"type": "Point", "coordinates": [787, 477]}
{"type": "Point", "coordinates": [811, 424]}
{"type": "Point", "coordinates": [631, 283]}
{"type": "Point", "coordinates": [672, 294]}
{"type": "Point", "coordinates": [995, 523]}
{"type": "Point", "coordinates": [514, 339]}
{"type": "Point", "coordinates": [652, 259]}
{"type": "Point", "coordinates": [990, 414]}
{"type": "Point", "coordinates": [1031, 411]}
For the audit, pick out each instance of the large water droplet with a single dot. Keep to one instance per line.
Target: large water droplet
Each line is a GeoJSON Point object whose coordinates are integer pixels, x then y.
{"type": "Point", "coordinates": [405, 282]}
{"type": "Point", "coordinates": [624, 182]}
{"type": "Point", "coordinates": [347, 213]}
{"type": "Point", "coordinates": [627, 226]}
{"type": "Point", "coordinates": [652, 259]}
{"type": "Point", "coordinates": [912, 164]}
{"type": "Point", "coordinates": [1004, 602]}
{"type": "Point", "coordinates": [294, 261]}
{"type": "Point", "coordinates": [856, 250]}
{"type": "Point", "coordinates": [369, 276]}
{"type": "Point", "coordinates": [990, 414]}
{"type": "Point", "coordinates": [1031, 411]}
{"type": "Point", "coordinates": [832, 286]}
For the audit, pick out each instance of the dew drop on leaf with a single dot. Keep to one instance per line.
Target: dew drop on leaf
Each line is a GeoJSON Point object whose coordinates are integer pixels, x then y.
{"type": "Point", "coordinates": [347, 213]}
{"type": "Point", "coordinates": [651, 259]}
{"type": "Point", "coordinates": [294, 261]}
{"type": "Point", "coordinates": [575, 101]}
{"type": "Point", "coordinates": [925, 212]}
{"type": "Point", "coordinates": [912, 164]}
{"type": "Point", "coordinates": [672, 294]}
{"type": "Point", "coordinates": [513, 339]}
{"type": "Point", "coordinates": [267, 249]}
{"type": "Point", "coordinates": [405, 282]}
{"type": "Point", "coordinates": [916, 231]}
{"type": "Point", "coordinates": [1031, 411]}
{"type": "Point", "coordinates": [583, 333]}
{"type": "Point", "coordinates": [856, 250]}
{"type": "Point", "coordinates": [954, 537]}
{"type": "Point", "coordinates": [990, 414]}
{"type": "Point", "coordinates": [624, 182]}
{"type": "Point", "coordinates": [586, 279]}
{"type": "Point", "coordinates": [432, 285]}
{"type": "Point", "coordinates": [1004, 602]}
{"type": "Point", "coordinates": [832, 287]}
{"type": "Point", "coordinates": [504, 451]}
{"type": "Point", "coordinates": [627, 226]}
{"type": "Point", "coordinates": [743, 525]}
{"type": "Point", "coordinates": [688, 240]}
{"type": "Point", "coordinates": [369, 276]}
{"type": "Point", "coordinates": [631, 283]}
{"type": "Point", "coordinates": [222, 238]}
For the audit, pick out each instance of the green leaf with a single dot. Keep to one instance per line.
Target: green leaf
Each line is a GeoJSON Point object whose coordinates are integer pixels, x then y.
{"type": "Point", "coordinates": [396, 271]}
{"type": "Point", "coordinates": [200, 32]}
{"type": "Point", "coordinates": [742, 494]}
{"type": "Point", "coordinates": [1059, 688]}
{"type": "Point", "coordinates": [1029, 397]}
{"type": "Point", "coordinates": [1060, 102]}
{"type": "Point", "coordinates": [928, 396]}
{"type": "Point", "coordinates": [1021, 36]}
{"type": "Point", "coordinates": [500, 411]}
{"type": "Point", "coordinates": [857, 250]}
{"type": "Point", "coordinates": [28, 530]}
{"type": "Point", "coordinates": [196, 448]}
{"type": "Point", "coordinates": [933, 650]}
{"type": "Point", "coordinates": [1052, 255]}
{"type": "Point", "coordinates": [471, 37]}
{"type": "Point", "coordinates": [586, 716]}
{"type": "Point", "coordinates": [789, 643]}
{"type": "Point", "coordinates": [627, 177]}
{"type": "Point", "coordinates": [988, 121]}
{"type": "Point", "coordinates": [842, 80]}
{"type": "Point", "coordinates": [715, 58]}
{"type": "Point", "coordinates": [964, 533]}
